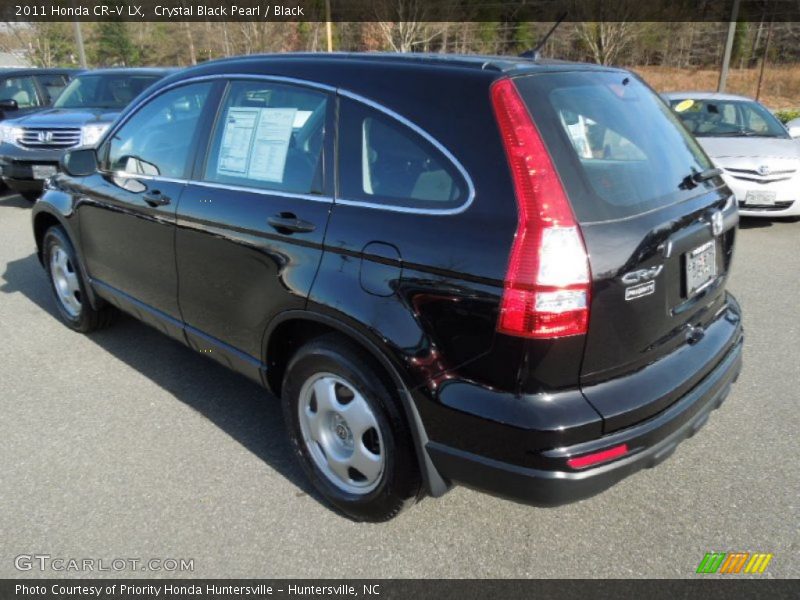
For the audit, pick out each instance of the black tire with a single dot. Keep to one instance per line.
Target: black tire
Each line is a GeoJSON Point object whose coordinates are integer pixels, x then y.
{"type": "Point", "coordinates": [399, 484]}
{"type": "Point", "coordinates": [87, 318]}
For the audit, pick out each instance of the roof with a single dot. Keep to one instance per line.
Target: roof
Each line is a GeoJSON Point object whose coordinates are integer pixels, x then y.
{"type": "Point", "coordinates": [35, 71]}
{"type": "Point", "coordinates": [456, 61]}
{"type": "Point", "coordinates": [705, 96]}
{"type": "Point", "coordinates": [131, 71]}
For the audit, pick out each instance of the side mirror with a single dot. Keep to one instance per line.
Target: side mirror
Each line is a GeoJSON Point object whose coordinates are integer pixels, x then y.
{"type": "Point", "coordinates": [793, 127]}
{"type": "Point", "coordinates": [79, 162]}
{"type": "Point", "coordinates": [9, 104]}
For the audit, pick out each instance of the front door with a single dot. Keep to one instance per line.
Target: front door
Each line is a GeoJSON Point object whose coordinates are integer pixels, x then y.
{"type": "Point", "coordinates": [127, 209]}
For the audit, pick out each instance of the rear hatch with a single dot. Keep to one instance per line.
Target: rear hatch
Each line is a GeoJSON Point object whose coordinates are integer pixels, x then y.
{"type": "Point", "coordinates": [658, 235]}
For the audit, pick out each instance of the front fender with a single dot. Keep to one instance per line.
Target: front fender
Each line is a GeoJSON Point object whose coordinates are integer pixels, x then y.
{"type": "Point", "coordinates": [57, 207]}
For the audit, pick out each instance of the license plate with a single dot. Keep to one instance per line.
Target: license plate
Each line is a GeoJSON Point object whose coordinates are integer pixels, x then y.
{"type": "Point", "coordinates": [760, 198]}
{"type": "Point", "coordinates": [701, 267]}
{"type": "Point", "coordinates": [43, 171]}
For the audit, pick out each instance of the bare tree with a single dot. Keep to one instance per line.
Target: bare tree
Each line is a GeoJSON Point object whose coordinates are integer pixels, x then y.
{"type": "Point", "coordinates": [605, 41]}
{"type": "Point", "coordinates": [403, 25]}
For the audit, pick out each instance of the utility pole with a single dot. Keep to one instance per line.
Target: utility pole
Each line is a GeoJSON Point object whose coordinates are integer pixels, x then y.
{"type": "Point", "coordinates": [764, 58]}
{"type": "Point", "coordinates": [726, 59]}
{"type": "Point", "coordinates": [328, 28]}
{"type": "Point", "coordinates": [79, 44]}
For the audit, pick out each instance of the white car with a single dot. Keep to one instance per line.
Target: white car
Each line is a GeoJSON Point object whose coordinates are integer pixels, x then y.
{"type": "Point", "coordinates": [760, 158]}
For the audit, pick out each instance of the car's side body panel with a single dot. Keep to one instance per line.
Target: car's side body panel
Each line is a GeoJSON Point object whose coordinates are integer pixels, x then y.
{"type": "Point", "coordinates": [419, 286]}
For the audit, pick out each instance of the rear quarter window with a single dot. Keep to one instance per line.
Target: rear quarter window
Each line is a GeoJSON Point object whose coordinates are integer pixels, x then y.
{"type": "Point", "coordinates": [383, 161]}
{"type": "Point", "coordinates": [619, 149]}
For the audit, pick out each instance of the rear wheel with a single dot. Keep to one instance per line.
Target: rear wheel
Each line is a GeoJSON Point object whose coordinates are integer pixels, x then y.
{"type": "Point", "coordinates": [68, 286]}
{"type": "Point", "coordinates": [348, 430]}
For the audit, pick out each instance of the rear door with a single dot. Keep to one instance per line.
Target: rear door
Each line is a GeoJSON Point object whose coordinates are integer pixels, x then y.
{"type": "Point", "coordinates": [659, 242]}
{"type": "Point", "coordinates": [252, 221]}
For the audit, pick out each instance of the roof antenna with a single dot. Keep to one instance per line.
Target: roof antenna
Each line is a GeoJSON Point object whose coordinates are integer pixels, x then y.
{"type": "Point", "coordinates": [534, 54]}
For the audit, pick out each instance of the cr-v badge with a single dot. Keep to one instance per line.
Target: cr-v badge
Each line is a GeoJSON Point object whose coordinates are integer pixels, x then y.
{"type": "Point", "coordinates": [646, 280]}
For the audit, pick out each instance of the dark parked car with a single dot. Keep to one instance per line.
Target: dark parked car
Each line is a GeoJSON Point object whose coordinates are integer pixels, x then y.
{"type": "Point", "coordinates": [23, 91]}
{"type": "Point", "coordinates": [507, 274]}
{"type": "Point", "coordinates": [32, 145]}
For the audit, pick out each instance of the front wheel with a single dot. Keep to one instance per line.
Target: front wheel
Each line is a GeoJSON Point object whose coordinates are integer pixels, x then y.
{"type": "Point", "coordinates": [68, 286]}
{"type": "Point", "coordinates": [348, 430]}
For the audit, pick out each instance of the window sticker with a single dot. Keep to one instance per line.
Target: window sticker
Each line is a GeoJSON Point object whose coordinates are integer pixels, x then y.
{"type": "Point", "coordinates": [255, 143]}
{"type": "Point", "coordinates": [237, 138]}
{"type": "Point", "coordinates": [301, 117]}
{"type": "Point", "coordinates": [684, 105]}
{"type": "Point", "coordinates": [271, 144]}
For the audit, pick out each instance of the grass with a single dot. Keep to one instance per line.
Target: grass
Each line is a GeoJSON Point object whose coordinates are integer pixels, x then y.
{"type": "Point", "coordinates": [780, 89]}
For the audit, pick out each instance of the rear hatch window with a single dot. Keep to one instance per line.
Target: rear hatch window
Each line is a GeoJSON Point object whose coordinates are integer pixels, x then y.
{"type": "Point", "coordinates": [611, 130]}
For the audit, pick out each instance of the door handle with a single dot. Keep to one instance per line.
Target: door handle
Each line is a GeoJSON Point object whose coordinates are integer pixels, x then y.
{"type": "Point", "coordinates": [289, 223]}
{"type": "Point", "coordinates": [156, 198]}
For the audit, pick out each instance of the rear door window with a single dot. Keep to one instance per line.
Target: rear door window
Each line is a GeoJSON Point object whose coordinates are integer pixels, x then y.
{"type": "Point", "coordinates": [270, 136]}
{"type": "Point", "coordinates": [21, 89]}
{"type": "Point", "coordinates": [619, 150]}
{"type": "Point", "coordinates": [384, 161]}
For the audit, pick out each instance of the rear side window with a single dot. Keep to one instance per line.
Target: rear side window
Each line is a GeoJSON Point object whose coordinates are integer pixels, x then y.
{"type": "Point", "coordinates": [269, 136]}
{"type": "Point", "coordinates": [384, 161]}
{"type": "Point", "coordinates": [612, 134]}
{"type": "Point", "coordinates": [21, 89]}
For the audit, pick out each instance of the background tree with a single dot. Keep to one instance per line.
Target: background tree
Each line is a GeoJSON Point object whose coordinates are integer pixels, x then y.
{"type": "Point", "coordinates": [111, 45]}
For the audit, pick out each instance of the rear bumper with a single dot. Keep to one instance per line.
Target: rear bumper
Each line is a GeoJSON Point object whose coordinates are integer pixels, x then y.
{"type": "Point", "coordinates": [648, 442]}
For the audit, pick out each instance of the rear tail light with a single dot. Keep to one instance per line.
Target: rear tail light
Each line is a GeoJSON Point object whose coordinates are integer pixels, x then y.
{"type": "Point", "coordinates": [547, 284]}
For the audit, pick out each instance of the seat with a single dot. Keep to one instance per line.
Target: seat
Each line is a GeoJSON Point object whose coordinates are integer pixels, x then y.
{"type": "Point", "coordinates": [436, 186]}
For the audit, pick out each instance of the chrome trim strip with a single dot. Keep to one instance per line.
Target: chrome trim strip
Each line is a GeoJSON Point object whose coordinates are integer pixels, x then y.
{"type": "Point", "coordinates": [126, 175]}
{"type": "Point", "coordinates": [327, 88]}
{"type": "Point", "coordinates": [265, 192]}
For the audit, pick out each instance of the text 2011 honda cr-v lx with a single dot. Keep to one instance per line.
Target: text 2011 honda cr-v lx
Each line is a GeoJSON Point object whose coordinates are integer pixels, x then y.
{"type": "Point", "coordinates": [506, 274]}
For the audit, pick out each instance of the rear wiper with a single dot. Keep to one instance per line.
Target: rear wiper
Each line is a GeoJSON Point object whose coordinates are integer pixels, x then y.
{"type": "Point", "coordinates": [706, 175]}
{"type": "Point", "coordinates": [697, 177]}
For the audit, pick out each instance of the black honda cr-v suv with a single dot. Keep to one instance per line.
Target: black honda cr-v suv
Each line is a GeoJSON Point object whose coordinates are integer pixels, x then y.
{"type": "Point", "coordinates": [504, 273]}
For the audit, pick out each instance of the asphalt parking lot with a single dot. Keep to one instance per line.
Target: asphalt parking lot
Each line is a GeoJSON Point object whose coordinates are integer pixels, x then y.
{"type": "Point", "coordinates": [127, 444]}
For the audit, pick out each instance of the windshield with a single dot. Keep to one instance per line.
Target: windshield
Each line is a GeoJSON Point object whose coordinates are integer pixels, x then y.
{"type": "Point", "coordinates": [103, 91]}
{"type": "Point", "coordinates": [619, 148]}
{"type": "Point", "coordinates": [727, 118]}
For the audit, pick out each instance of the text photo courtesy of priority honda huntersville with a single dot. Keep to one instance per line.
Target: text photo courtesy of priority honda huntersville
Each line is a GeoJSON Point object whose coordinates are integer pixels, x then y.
{"type": "Point", "coordinates": [534, 305]}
